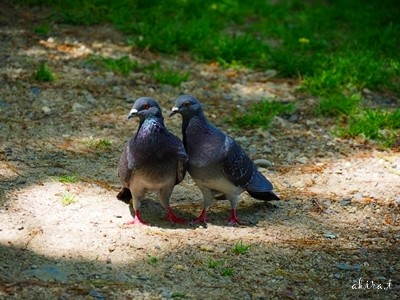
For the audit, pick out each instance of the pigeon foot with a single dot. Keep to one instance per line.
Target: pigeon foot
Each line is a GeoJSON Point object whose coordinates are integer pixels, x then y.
{"type": "Point", "coordinates": [202, 218]}
{"type": "Point", "coordinates": [233, 220]}
{"type": "Point", "coordinates": [137, 220]}
{"type": "Point", "coordinates": [173, 218]}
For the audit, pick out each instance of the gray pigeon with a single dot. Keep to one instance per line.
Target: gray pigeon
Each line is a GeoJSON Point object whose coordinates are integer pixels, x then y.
{"type": "Point", "coordinates": [153, 160]}
{"type": "Point", "coordinates": [216, 161]}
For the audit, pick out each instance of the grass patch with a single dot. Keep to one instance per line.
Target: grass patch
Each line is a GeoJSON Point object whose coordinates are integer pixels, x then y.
{"type": "Point", "coordinates": [152, 260]}
{"type": "Point", "coordinates": [376, 124]}
{"type": "Point", "coordinates": [68, 199]}
{"type": "Point", "coordinates": [42, 29]}
{"type": "Point", "coordinates": [240, 248]}
{"type": "Point", "coordinates": [67, 179]}
{"type": "Point", "coordinates": [169, 76]}
{"type": "Point", "coordinates": [261, 114]}
{"type": "Point", "coordinates": [337, 104]}
{"type": "Point", "coordinates": [44, 73]}
{"type": "Point", "coordinates": [328, 44]}
{"type": "Point", "coordinates": [123, 65]}
{"type": "Point", "coordinates": [213, 263]}
{"type": "Point", "coordinates": [227, 272]}
{"type": "Point", "coordinates": [178, 295]}
{"type": "Point", "coordinates": [99, 144]}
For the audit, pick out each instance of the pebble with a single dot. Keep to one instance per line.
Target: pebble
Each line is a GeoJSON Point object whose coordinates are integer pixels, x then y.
{"type": "Point", "coordinates": [97, 295]}
{"type": "Point", "coordinates": [77, 107]}
{"type": "Point", "coordinates": [36, 91]}
{"type": "Point", "coordinates": [165, 293]}
{"type": "Point", "coordinates": [347, 267]}
{"type": "Point", "coordinates": [89, 98]}
{"type": "Point", "coordinates": [207, 248]}
{"type": "Point", "coordinates": [262, 163]}
{"type": "Point", "coordinates": [330, 235]}
{"type": "Point", "coordinates": [303, 160]}
{"type": "Point", "coordinates": [3, 104]}
{"type": "Point", "coordinates": [46, 110]}
{"type": "Point", "coordinates": [47, 273]}
{"type": "Point", "coordinates": [345, 202]}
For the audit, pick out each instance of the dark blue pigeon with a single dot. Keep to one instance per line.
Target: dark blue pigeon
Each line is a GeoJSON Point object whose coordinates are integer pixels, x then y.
{"type": "Point", "coordinates": [153, 160]}
{"type": "Point", "coordinates": [216, 161]}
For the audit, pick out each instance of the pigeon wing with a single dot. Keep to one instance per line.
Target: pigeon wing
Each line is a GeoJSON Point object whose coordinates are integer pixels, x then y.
{"type": "Point", "coordinates": [175, 148]}
{"type": "Point", "coordinates": [237, 166]}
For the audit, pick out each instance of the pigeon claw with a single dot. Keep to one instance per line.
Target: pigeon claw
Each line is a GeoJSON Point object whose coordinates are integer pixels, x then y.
{"type": "Point", "coordinates": [202, 218]}
{"type": "Point", "coordinates": [173, 218]}
{"type": "Point", "coordinates": [137, 220]}
{"type": "Point", "coordinates": [233, 220]}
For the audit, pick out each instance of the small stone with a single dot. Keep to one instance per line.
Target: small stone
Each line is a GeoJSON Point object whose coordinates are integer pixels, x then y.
{"type": "Point", "coordinates": [330, 235]}
{"type": "Point", "coordinates": [97, 295]}
{"type": "Point", "coordinates": [345, 202]}
{"type": "Point", "coordinates": [20, 228]}
{"type": "Point", "coordinates": [90, 99]}
{"type": "Point", "coordinates": [302, 160]}
{"type": "Point", "coordinates": [257, 296]}
{"type": "Point", "coordinates": [207, 248]}
{"type": "Point", "coordinates": [178, 267]}
{"type": "Point", "coordinates": [36, 90]}
{"type": "Point", "coordinates": [262, 163]}
{"type": "Point", "coordinates": [165, 293]}
{"type": "Point", "coordinates": [227, 97]}
{"type": "Point", "coordinates": [46, 110]}
{"type": "Point", "coordinates": [347, 267]}
{"type": "Point", "coordinates": [293, 118]}
{"type": "Point", "coordinates": [77, 107]}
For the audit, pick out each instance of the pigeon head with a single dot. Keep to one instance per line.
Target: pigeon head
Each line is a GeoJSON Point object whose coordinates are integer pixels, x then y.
{"type": "Point", "coordinates": [145, 107]}
{"type": "Point", "coordinates": [187, 106]}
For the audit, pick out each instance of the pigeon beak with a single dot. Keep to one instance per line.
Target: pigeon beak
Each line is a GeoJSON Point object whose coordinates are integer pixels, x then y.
{"type": "Point", "coordinates": [132, 113]}
{"type": "Point", "coordinates": [174, 111]}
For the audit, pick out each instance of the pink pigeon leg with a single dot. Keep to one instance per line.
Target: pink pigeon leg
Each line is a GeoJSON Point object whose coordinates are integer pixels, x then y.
{"type": "Point", "coordinates": [137, 220]}
{"type": "Point", "coordinates": [173, 218]}
{"type": "Point", "coordinates": [233, 220]}
{"type": "Point", "coordinates": [202, 218]}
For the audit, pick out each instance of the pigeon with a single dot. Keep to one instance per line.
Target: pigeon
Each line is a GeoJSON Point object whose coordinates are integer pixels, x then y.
{"type": "Point", "coordinates": [153, 160]}
{"type": "Point", "coordinates": [217, 163]}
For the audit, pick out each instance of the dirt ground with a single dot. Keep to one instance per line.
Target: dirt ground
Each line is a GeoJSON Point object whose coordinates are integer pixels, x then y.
{"type": "Point", "coordinates": [334, 235]}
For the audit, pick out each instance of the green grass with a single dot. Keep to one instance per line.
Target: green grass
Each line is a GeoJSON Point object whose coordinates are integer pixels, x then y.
{"type": "Point", "coordinates": [227, 272]}
{"type": "Point", "coordinates": [152, 260]}
{"type": "Point", "coordinates": [376, 124]}
{"type": "Point", "coordinates": [44, 73]}
{"type": "Point", "coordinates": [178, 295]}
{"type": "Point", "coordinates": [214, 263]}
{"type": "Point", "coordinates": [337, 105]}
{"type": "Point", "coordinates": [67, 178]}
{"type": "Point", "coordinates": [99, 144]}
{"type": "Point", "coordinates": [335, 48]}
{"type": "Point", "coordinates": [123, 65]}
{"type": "Point", "coordinates": [68, 199]}
{"type": "Point", "coordinates": [328, 44]}
{"type": "Point", "coordinates": [261, 114]}
{"type": "Point", "coordinates": [240, 248]}
{"type": "Point", "coordinates": [169, 76]}
{"type": "Point", "coordinates": [42, 29]}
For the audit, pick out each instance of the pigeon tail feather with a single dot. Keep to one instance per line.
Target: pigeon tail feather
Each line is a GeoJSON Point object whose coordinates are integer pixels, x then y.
{"type": "Point", "coordinates": [267, 195]}
{"type": "Point", "coordinates": [124, 195]}
{"type": "Point", "coordinates": [260, 188]}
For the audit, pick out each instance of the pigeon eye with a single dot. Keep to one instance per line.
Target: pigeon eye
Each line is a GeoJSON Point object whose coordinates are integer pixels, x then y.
{"type": "Point", "coordinates": [187, 104]}
{"type": "Point", "coordinates": [146, 106]}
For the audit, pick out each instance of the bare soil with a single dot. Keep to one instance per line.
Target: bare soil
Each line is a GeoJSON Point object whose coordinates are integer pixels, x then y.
{"type": "Point", "coordinates": [335, 231]}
